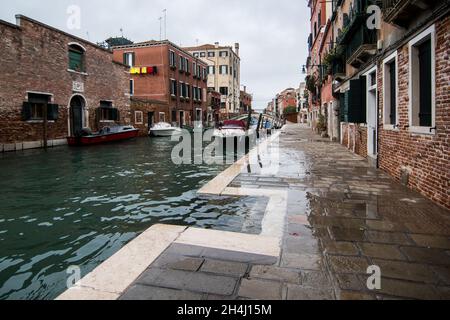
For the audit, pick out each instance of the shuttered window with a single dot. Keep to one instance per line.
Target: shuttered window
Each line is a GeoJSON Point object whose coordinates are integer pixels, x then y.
{"type": "Point", "coordinates": [425, 113]}
{"type": "Point", "coordinates": [76, 58]}
{"type": "Point", "coordinates": [34, 108]}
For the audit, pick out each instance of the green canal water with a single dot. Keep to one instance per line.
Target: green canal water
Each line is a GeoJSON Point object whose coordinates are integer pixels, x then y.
{"type": "Point", "coordinates": [78, 206]}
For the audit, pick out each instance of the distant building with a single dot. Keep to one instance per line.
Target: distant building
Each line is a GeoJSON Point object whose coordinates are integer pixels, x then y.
{"type": "Point", "coordinates": [224, 72]}
{"type": "Point", "coordinates": [45, 71]}
{"type": "Point", "coordinates": [167, 83]}
{"type": "Point", "coordinates": [245, 102]}
{"type": "Point", "coordinates": [287, 98]}
{"type": "Point", "coordinates": [214, 115]}
{"type": "Point", "coordinates": [302, 102]}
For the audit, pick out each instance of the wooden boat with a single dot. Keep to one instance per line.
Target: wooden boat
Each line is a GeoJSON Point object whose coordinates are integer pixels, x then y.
{"type": "Point", "coordinates": [107, 134]}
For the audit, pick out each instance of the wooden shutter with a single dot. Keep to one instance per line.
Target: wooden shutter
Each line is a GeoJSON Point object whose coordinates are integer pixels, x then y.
{"type": "Point", "coordinates": [357, 101]}
{"type": "Point", "coordinates": [52, 112]}
{"type": "Point", "coordinates": [125, 59]}
{"type": "Point", "coordinates": [115, 114]}
{"type": "Point", "coordinates": [425, 84]}
{"type": "Point", "coordinates": [26, 111]}
{"type": "Point", "coordinates": [393, 95]}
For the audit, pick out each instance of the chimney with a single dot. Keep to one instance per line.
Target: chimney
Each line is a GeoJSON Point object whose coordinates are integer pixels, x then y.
{"type": "Point", "coordinates": [245, 89]}
{"type": "Point", "coordinates": [217, 45]}
{"type": "Point", "coordinates": [236, 46]}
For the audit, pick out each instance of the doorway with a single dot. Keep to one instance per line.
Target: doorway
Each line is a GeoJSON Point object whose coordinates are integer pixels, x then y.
{"type": "Point", "coordinates": [181, 119]}
{"type": "Point", "coordinates": [372, 119]}
{"type": "Point", "coordinates": [151, 119]}
{"type": "Point", "coordinates": [77, 120]}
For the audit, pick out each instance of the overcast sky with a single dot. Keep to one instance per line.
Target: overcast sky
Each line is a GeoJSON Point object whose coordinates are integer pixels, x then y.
{"type": "Point", "coordinates": [272, 34]}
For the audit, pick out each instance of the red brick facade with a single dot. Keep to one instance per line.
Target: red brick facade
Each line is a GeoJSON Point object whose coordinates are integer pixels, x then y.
{"type": "Point", "coordinates": [156, 87]}
{"type": "Point", "coordinates": [35, 59]}
{"type": "Point", "coordinates": [426, 157]}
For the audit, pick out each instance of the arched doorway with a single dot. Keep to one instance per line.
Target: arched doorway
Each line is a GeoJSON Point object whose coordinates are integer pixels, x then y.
{"type": "Point", "coordinates": [77, 105]}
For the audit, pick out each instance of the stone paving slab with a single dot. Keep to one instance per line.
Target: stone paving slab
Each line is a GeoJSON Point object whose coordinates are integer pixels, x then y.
{"type": "Point", "coordinates": [333, 217]}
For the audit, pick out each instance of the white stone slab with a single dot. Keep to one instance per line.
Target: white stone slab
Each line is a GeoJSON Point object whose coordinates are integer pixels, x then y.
{"type": "Point", "coordinates": [19, 146]}
{"type": "Point", "coordinates": [269, 246]}
{"type": "Point", "coordinates": [123, 268]}
{"type": "Point", "coordinates": [86, 294]}
{"type": "Point", "coordinates": [9, 147]}
{"type": "Point", "coordinates": [32, 145]}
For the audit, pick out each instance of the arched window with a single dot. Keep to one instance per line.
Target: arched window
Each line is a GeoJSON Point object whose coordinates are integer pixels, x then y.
{"type": "Point", "coordinates": [76, 58]}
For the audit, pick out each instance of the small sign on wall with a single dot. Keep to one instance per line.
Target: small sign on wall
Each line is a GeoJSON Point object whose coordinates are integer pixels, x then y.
{"type": "Point", "coordinates": [77, 86]}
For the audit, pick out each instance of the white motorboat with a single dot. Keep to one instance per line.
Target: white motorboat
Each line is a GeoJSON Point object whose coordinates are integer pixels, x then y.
{"type": "Point", "coordinates": [164, 129]}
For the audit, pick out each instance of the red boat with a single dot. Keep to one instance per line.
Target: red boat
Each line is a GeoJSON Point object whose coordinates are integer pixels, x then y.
{"type": "Point", "coordinates": [107, 134]}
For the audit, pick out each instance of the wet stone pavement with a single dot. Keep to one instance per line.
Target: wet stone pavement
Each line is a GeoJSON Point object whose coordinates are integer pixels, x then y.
{"type": "Point", "coordinates": [342, 217]}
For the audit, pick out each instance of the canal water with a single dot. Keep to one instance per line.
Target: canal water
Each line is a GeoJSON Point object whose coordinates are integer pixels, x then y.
{"type": "Point", "coordinates": [78, 206]}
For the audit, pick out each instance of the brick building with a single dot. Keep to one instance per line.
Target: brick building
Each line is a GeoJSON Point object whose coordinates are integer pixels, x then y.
{"type": "Point", "coordinates": [45, 71]}
{"type": "Point", "coordinates": [167, 83]}
{"type": "Point", "coordinates": [245, 101]}
{"type": "Point", "coordinates": [214, 114]}
{"type": "Point", "coordinates": [287, 98]}
{"type": "Point", "coordinates": [392, 85]}
{"type": "Point", "coordinates": [320, 13]}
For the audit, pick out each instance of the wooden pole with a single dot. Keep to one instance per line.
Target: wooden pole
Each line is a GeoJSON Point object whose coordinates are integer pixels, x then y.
{"type": "Point", "coordinates": [45, 126]}
{"type": "Point", "coordinates": [259, 125]}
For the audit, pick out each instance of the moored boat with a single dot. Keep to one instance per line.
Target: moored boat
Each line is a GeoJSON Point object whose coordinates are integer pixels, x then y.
{"type": "Point", "coordinates": [107, 134]}
{"type": "Point", "coordinates": [163, 129]}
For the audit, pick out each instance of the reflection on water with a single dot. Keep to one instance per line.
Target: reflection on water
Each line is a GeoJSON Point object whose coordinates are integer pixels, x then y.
{"type": "Point", "coordinates": [71, 206]}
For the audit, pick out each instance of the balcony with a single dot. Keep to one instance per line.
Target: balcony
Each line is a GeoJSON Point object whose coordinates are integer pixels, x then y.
{"type": "Point", "coordinates": [338, 70]}
{"type": "Point", "coordinates": [361, 47]}
{"type": "Point", "coordinates": [403, 12]}
{"type": "Point", "coordinates": [352, 21]}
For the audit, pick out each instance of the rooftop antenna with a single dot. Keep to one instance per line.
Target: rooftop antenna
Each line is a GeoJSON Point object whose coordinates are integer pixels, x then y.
{"type": "Point", "coordinates": [121, 32]}
{"type": "Point", "coordinates": [160, 28]}
{"type": "Point", "coordinates": [165, 24]}
{"type": "Point", "coordinates": [196, 41]}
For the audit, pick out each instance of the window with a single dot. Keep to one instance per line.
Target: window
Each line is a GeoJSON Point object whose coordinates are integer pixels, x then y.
{"type": "Point", "coordinates": [172, 59]}
{"type": "Point", "coordinates": [131, 87]}
{"type": "Point", "coordinates": [188, 91]}
{"type": "Point", "coordinates": [211, 70]}
{"type": "Point", "coordinates": [37, 104]}
{"type": "Point", "coordinates": [181, 64]}
{"type": "Point", "coordinates": [138, 117]}
{"type": "Point", "coordinates": [162, 117]}
{"type": "Point", "coordinates": [422, 82]}
{"type": "Point", "coordinates": [205, 74]}
{"type": "Point", "coordinates": [223, 54]}
{"type": "Point", "coordinates": [194, 68]}
{"type": "Point", "coordinates": [196, 54]}
{"type": "Point", "coordinates": [211, 54]}
{"type": "Point", "coordinates": [107, 113]}
{"type": "Point", "coordinates": [129, 59]}
{"type": "Point", "coordinates": [200, 94]}
{"type": "Point", "coordinates": [202, 54]}
{"type": "Point", "coordinates": [188, 66]}
{"type": "Point", "coordinates": [223, 91]}
{"type": "Point", "coordinates": [223, 69]}
{"type": "Point", "coordinates": [173, 87]}
{"type": "Point", "coordinates": [76, 58]}
{"type": "Point", "coordinates": [199, 71]}
{"type": "Point", "coordinates": [390, 90]}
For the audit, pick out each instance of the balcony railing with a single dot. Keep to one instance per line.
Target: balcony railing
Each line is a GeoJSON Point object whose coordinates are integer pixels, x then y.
{"type": "Point", "coordinates": [402, 12]}
{"type": "Point", "coordinates": [362, 45]}
{"type": "Point", "coordinates": [352, 20]}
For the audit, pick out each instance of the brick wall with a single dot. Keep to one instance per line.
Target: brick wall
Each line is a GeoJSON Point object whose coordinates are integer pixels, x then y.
{"type": "Point", "coordinates": [354, 137]}
{"type": "Point", "coordinates": [145, 107]}
{"type": "Point", "coordinates": [426, 157]}
{"type": "Point", "coordinates": [34, 57]}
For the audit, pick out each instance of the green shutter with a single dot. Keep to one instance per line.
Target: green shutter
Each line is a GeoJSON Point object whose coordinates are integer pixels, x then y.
{"type": "Point", "coordinates": [26, 111]}
{"type": "Point", "coordinates": [115, 114]}
{"type": "Point", "coordinates": [75, 61]}
{"type": "Point", "coordinates": [357, 101]}
{"type": "Point", "coordinates": [52, 112]}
